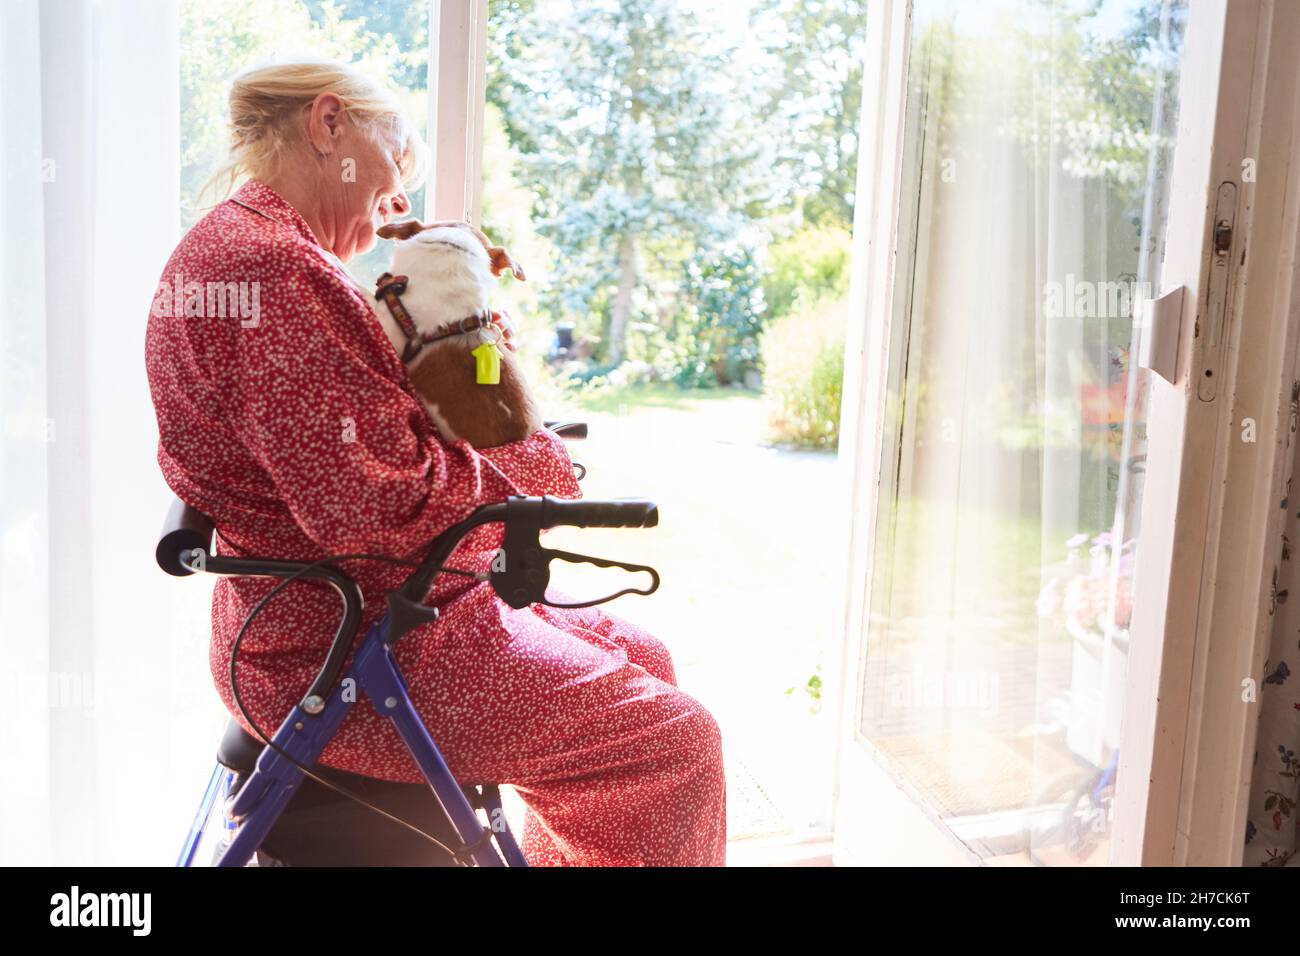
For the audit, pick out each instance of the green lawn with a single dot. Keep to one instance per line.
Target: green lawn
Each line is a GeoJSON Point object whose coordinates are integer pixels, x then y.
{"type": "Point", "coordinates": [628, 399]}
{"type": "Point", "coordinates": [750, 548]}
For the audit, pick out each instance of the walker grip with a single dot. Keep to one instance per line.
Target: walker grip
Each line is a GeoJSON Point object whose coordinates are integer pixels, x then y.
{"type": "Point", "coordinates": [619, 513]}
{"type": "Point", "coordinates": [186, 530]}
{"type": "Point", "coordinates": [569, 431]}
{"type": "Point", "coordinates": [523, 574]}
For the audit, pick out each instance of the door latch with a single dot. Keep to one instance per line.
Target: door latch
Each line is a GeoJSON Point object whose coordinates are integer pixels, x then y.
{"type": "Point", "coordinates": [1211, 327]}
{"type": "Point", "coordinates": [1222, 237]}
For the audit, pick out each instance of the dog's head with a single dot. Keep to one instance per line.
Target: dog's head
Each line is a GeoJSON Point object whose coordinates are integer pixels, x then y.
{"type": "Point", "coordinates": [461, 235]}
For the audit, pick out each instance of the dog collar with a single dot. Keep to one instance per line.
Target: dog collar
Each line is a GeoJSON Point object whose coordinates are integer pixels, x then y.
{"type": "Point", "coordinates": [390, 287]}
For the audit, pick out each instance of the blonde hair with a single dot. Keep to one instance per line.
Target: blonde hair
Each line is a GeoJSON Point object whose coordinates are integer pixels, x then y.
{"type": "Point", "coordinates": [268, 105]}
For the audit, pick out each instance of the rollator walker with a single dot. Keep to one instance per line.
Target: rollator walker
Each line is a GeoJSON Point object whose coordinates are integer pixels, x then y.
{"type": "Point", "coordinates": [279, 807]}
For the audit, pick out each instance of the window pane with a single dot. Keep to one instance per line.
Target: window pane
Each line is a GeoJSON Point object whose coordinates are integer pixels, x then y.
{"type": "Point", "coordinates": [387, 39]}
{"type": "Point", "coordinates": [1037, 148]}
{"type": "Point", "coordinates": [678, 181]}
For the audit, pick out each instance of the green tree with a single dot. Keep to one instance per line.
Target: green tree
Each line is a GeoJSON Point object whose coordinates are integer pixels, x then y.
{"type": "Point", "coordinates": [220, 38]}
{"type": "Point", "coordinates": [508, 44]}
{"type": "Point", "coordinates": [401, 23]}
{"type": "Point", "coordinates": [635, 150]}
{"type": "Point", "coordinates": [813, 89]}
{"type": "Point", "coordinates": [724, 297]}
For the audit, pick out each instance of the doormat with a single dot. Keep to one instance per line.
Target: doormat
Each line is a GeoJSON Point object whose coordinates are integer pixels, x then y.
{"type": "Point", "coordinates": [750, 811]}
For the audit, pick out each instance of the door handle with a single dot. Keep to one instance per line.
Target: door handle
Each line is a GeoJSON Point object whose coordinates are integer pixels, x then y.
{"type": "Point", "coordinates": [1158, 348]}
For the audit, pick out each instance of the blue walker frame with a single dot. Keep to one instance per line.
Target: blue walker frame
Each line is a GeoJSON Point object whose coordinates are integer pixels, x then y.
{"type": "Point", "coordinates": [251, 812]}
{"type": "Point", "coordinates": [271, 786]}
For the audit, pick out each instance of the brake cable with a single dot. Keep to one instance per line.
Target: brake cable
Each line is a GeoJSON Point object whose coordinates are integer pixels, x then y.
{"type": "Point", "coordinates": [234, 685]}
{"type": "Point", "coordinates": [521, 582]}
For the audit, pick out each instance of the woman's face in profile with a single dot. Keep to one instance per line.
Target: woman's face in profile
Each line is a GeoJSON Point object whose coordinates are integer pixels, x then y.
{"type": "Point", "coordinates": [361, 187]}
{"type": "Point", "coordinates": [377, 195]}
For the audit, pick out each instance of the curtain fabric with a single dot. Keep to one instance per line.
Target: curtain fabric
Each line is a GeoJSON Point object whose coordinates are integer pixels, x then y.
{"type": "Point", "coordinates": [1271, 821]}
{"type": "Point", "coordinates": [24, 595]}
{"type": "Point", "coordinates": [105, 656]}
{"type": "Point", "coordinates": [1031, 221]}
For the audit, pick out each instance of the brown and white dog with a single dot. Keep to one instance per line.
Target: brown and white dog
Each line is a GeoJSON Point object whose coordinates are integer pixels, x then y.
{"type": "Point", "coordinates": [434, 307]}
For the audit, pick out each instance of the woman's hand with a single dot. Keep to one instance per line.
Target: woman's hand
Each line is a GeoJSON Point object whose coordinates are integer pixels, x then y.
{"type": "Point", "coordinates": [503, 323]}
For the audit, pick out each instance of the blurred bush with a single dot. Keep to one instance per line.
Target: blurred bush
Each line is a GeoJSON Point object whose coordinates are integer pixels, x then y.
{"type": "Point", "coordinates": [805, 266]}
{"type": "Point", "coordinates": [723, 312]}
{"type": "Point", "coordinates": [803, 368]}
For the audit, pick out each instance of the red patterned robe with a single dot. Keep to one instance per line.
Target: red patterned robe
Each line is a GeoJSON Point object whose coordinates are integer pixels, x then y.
{"type": "Point", "coordinates": [292, 423]}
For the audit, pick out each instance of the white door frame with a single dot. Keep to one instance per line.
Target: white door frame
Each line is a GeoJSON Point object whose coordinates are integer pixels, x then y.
{"type": "Point", "coordinates": [457, 98]}
{"type": "Point", "coordinates": [1188, 737]}
{"type": "Point", "coordinates": [897, 828]}
{"type": "Point", "coordinates": [1206, 585]}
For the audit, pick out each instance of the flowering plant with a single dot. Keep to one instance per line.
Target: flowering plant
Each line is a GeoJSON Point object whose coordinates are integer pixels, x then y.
{"type": "Point", "coordinates": [1091, 566]}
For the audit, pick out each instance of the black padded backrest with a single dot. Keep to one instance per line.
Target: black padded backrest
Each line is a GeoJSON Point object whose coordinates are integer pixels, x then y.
{"type": "Point", "coordinates": [185, 530]}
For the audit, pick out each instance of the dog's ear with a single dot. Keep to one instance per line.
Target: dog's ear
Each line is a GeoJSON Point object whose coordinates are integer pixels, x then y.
{"type": "Point", "coordinates": [400, 230]}
{"type": "Point", "coordinates": [502, 260]}
{"type": "Point", "coordinates": [498, 257]}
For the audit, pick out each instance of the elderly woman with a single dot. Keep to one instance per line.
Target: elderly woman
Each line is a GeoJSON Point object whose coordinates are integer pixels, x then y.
{"type": "Point", "coordinates": [294, 426]}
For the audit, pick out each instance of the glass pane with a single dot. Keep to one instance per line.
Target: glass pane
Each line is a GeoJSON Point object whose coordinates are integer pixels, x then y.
{"type": "Point", "coordinates": [1037, 152]}
{"type": "Point", "coordinates": [386, 39]}
{"type": "Point", "coordinates": [677, 180]}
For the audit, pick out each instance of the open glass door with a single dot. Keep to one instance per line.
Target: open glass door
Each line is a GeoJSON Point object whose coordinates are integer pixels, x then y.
{"type": "Point", "coordinates": [1019, 166]}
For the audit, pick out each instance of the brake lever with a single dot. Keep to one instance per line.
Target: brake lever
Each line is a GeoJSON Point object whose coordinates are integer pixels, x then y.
{"type": "Point", "coordinates": [572, 558]}
{"type": "Point", "coordinates": [525, 571]}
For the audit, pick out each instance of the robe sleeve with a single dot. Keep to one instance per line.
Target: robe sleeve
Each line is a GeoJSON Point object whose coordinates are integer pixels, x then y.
{"type": "Point", "coordinates": [350, 450]}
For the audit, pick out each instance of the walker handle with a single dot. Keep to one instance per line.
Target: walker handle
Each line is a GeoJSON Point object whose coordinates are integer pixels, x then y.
{"type": "Point", "coordinates": [569, 431]}
{"type": "Point", "coordinates": [618, 513]}
{"type": "Point", "coordinates": [185, 530]}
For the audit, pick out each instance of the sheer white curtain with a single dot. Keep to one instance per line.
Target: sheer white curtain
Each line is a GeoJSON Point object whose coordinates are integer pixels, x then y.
{"type": "Point", "coordinates": [1001, 589]}
{"type": "Point", "coordinates": [112, 717]}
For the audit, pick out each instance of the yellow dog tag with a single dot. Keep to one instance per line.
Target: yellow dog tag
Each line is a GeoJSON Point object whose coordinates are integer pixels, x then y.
{"type": "Point", "coordinates": [487, 364]}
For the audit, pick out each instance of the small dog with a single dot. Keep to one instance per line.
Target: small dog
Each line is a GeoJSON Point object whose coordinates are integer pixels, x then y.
{"type": "Point", "coordinates": [434, 308]}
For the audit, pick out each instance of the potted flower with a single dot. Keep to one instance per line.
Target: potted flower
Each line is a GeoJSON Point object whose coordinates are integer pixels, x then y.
{"type": "Point", "coordinates": [1096, 608]}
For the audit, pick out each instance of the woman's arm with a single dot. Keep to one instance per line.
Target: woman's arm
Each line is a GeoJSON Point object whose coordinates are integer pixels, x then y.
{"type": "Point", "coordinates": [319, 403]}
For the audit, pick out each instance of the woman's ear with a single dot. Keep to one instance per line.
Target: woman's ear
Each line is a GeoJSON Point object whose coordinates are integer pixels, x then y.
{"type": "Point", "coordinates": [400, 230]}
{"type": "Point", "coordinates": [325, 122]}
